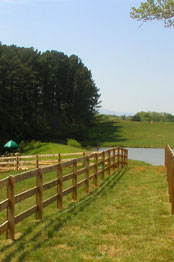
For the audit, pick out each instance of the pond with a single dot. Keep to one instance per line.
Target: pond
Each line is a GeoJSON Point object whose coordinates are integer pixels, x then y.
{"type": "Point", "coordinates": [153, 156]}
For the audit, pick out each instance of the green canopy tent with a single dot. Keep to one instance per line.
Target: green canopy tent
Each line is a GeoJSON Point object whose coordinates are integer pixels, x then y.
{"type": "Point", "coordinates": [11, 145]}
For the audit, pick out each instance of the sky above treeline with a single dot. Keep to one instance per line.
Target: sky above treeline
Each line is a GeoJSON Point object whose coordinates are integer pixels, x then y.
{"type": "Point", "coordinates": [132, 64]}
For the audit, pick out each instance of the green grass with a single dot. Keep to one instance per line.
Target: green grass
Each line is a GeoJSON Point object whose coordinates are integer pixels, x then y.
{"type": "Point", "coordinates": [126, 219]}
{"type": "Point", "coordinates": [112, 131]}
{"type": "Point", "coordinates": [37, 147]}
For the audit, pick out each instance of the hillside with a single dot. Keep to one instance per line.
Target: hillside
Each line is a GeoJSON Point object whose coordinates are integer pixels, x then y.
{"type": "Point", "coordinates": [37, 147]}
{"type": "Point", "coordinates": [111, 131]}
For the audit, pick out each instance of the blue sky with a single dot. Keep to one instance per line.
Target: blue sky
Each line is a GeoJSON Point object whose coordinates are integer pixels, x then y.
{"type": "Point", "coordinates": [132, 65]}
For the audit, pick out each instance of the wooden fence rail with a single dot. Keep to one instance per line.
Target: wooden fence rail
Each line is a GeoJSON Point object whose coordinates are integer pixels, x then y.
{"type": "Point", "coordinates": [169, 163]}
{"type": "Point", "coordinates": [34, 161]}
{"type": "Point", "coordinates": [91, 167]}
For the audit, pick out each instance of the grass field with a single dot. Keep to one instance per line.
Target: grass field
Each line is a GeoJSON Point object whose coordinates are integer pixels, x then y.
{"type": "Point", "coordinates": [126, 219]}
{"type": "Point", "coordinates": [37, 147]}
{"type": "Point", "coordinates": [111, 131]}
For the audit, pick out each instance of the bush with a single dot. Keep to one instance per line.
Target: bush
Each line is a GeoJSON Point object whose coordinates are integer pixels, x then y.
{"type": "Point", "coordinates": [136, 118]}
{"type": "Point", "coordinates": [73, 142]}
{"type": "Point", "coordinates": [22, 146]}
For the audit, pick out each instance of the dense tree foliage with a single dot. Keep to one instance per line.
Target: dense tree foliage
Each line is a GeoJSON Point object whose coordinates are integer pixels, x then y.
{"type": "Point", "coordinates": [136, 118]}
{"type": "Point", "coordinates": [155, 10]}
{"type": "Point", "coordinates": [44, 95]}
{"type": "Point", "coordinates": [153, 116]}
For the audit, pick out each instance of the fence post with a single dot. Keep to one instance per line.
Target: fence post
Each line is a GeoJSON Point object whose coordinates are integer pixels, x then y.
{"type": "Point", "coordinates": [169, 178]}
{"type": "Point", "coordinates": [87, 174]}
{"type": "Point", "coordinates": [103, 165]}
{"type": "Point", "coordinates": [11, 208]}
{"type": "Point", "coordinates": [114, 159]}
{"type": "Point", "coordinates": [59, 186]}
{"type": "Point", "coordinates": [37, 161]}
{"type": "Point", "coordinates": [39, 193]}
{"type": "Point", "coordinates": [121, 149]}
{"type": "Point", "coordinates": [59, 158]}
{"type": "Point", "coordinates": [127, 157]}
{"type": "Point", "coordinates": [123, 153]}
{"type": "Point", "coordinates": [123, 158]}
{"type": "Point", "coordinates": [109, 162]}
{"type": "Point", "coordinates": [118, 157]}
{"type": "Point", "coordinates": [84, 154]}
{"type": "Point", "coordinates": [166, 155]}
{"type": "Point", "coordinates": [95, 169]}
{"type": "Point", "coordinates": [17, 163]}
{"type": "Point", "coordinates": [74, 180]}
{"type": "Point", "coordinates": [166, 164]}
{"type": "Point", "coordinates": [172, 186]}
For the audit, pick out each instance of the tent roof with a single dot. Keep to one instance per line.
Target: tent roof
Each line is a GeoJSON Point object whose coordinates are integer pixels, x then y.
{"type": "Point", "coordinates": [11, 144]}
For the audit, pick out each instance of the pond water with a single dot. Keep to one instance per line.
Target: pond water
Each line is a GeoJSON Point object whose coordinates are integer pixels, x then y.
{"type": "Point", "coordinates": [153, 156]}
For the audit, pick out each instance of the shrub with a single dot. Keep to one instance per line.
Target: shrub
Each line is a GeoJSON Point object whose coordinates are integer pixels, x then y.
{"type": "Point", "coordinates": [136, 118]}
{"type": "Point", "coordinates": [73, 142]}
{"type": "Point", "coordinates": [22, 146]}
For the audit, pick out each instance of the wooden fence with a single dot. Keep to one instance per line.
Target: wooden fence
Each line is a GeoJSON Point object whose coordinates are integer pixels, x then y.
{"type": "Point", "coordinates": [169, 163]}
{"type": "Point", "coordinates": [91, 167]}
{"type": "Point", "coordinates": [35, 161]}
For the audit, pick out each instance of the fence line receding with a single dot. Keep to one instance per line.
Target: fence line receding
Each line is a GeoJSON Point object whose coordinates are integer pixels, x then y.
{"type": "Point", "coordinates": [8, 163]}
{"type": "Point", "coordinates": [169, 163]}
{"type": "Point", "coordinates": [69, 176]}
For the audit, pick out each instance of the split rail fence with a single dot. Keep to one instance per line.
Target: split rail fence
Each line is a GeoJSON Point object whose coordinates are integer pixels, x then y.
{"type": "Point", "coordinates": [77, 172]}
{"type": "Point", "coordinates": [169, 163]}
{"type": "Point", "coordinates": [34, 161]}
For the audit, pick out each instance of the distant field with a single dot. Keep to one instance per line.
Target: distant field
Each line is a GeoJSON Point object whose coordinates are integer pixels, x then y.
{"type": "Point", "coordinates": [112, 131]}
{"type": "Point", "coordinates": [126, 219]}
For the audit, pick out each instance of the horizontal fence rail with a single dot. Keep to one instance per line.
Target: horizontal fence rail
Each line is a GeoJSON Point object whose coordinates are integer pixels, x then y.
{"type": "Point", "coordinates": [34, 161]}
{"type": "Point", "coordinates": [169, 163]}
{"type": "Point", "coordinates": [91, 167]}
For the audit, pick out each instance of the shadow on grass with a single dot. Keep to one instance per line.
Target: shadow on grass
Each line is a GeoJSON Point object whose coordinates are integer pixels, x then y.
{"type": "Point", "coordinates": [32, 146]}
{"type": "Point", "coordinates": [107, 131]}
{"type": "Point", "coordinates": [21, 249]}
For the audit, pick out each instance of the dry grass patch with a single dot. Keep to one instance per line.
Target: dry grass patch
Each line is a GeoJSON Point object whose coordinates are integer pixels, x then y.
{"type": "Point", "coordinates": [62, 246]}
{"type": "Point", "coordinates": [110, 250]}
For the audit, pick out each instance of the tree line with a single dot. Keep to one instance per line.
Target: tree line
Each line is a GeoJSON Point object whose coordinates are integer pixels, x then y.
{"type": "Point", "coordinates": [44, 95]}
{"type": "Point", "coordinates": [143, 116]}
{"type": "Point", "coordinates": [153, 117]}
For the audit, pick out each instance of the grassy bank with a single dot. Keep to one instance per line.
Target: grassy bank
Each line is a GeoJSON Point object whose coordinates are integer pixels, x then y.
{"type": "Point", "coordinates": [126, 219]}
{"type": "Point", "coordinates": [37, 147]}
{"type": "Point", "coordinates": [112, 131]}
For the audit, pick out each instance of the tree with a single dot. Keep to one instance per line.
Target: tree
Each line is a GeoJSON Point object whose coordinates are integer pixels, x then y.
{"type": "Point", "coordinates": [136, 118]}
{"type": "Point", "coordinates": [44, 95]}
{"type": "Point", "coordinates": [155, 10]}
{"type": "Point", "coordinates": [81, 98]}
{"type": "Point", "coordinates": [153, 116]}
